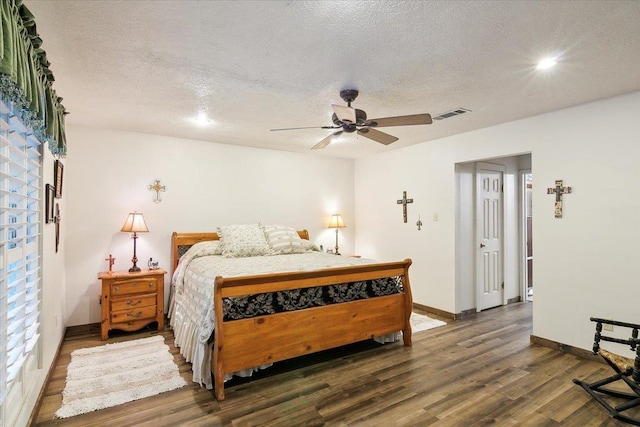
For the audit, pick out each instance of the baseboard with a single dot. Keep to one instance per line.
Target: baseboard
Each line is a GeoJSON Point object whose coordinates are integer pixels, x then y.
{"type": "Point", "coordinates": [81, 329]}
{"type": "Point", "coordinates": [565, 348]}
{"type": "Point", "coordinates": [464, 314]}
{"type": "Point", "coordinates": [446, 314]}
{"type": "Point", "coordinates": [457, 316]}
{"type": "Point", "coordinates": [435, 311]}
{"type": "Point", "coordinates": [43, 389]}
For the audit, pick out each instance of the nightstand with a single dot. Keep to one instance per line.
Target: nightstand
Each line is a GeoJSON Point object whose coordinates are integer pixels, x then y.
{"type": "Point", "coordinates": [131, 301]}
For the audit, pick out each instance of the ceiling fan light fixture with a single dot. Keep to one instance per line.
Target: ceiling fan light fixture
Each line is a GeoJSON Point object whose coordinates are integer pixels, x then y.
{"type": "Point", "coordinates": [346, 115]}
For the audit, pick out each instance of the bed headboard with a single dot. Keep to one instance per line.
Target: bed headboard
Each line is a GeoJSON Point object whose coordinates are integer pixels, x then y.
{"type": "Point", "coordinates": [181, 242]}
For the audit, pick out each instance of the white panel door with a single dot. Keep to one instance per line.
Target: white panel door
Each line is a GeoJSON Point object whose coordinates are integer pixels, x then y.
{"type": "Point", "coordinates": [489, 228]}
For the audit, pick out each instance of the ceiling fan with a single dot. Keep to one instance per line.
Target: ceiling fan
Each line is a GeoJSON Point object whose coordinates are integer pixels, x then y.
{"type": "Point", "coordinates": [350, 119]}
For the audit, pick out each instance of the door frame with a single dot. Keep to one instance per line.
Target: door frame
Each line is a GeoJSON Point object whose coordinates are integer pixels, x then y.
{"type": "Point", "coordinates": [523, 231]}
{"type": "Point", "coordinates": [491, 167]}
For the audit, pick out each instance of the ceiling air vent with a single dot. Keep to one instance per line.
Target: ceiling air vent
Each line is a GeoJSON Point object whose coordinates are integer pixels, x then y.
{"type": "Point", "coordinates": [452, 113]}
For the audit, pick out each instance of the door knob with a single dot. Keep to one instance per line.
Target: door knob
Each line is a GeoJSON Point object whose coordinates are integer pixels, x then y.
{"type": "Point", "coordinates": [482, 245]}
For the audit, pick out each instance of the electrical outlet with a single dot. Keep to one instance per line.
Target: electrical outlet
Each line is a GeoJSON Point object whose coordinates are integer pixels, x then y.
{"type": "Point", "coordinates": [435, 217]}
{"type": "Point", "coordinates": [56, 320]}
{"type": "Point", "coordinates": [607, 327]}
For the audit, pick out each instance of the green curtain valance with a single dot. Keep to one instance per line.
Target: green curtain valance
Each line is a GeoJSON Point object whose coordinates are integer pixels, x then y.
{"type": "Point", "coordinates": [25, 78]}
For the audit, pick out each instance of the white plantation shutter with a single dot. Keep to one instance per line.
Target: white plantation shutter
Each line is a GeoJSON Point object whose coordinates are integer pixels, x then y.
{"type": "Point", "coordinates": [20, 246]}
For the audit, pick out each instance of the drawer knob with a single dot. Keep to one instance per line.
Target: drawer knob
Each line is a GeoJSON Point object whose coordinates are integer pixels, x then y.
{"type": "Point", "coordinates": [151, 284]}
{"type": "Point", "coordinates": [138, 314]}
{"type": "Point", "coordinates": [134, 303]}
{"type": "Point", "coordinates": [117, 288]}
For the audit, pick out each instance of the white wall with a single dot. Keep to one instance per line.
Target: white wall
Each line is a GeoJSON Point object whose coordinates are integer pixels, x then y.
{"type": "Point", "coordinates": [466, 248]}
{"type": "Point", "coordinates": [586, 264]}
{"type": "Point", "coordinates": [107, 174]}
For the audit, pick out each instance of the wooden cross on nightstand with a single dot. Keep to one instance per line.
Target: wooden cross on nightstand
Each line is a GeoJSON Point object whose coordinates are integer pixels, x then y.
{"type": "Point", "coordinates": [404, 202]}
{"type": "Point", "coordinates": [111, 261]}
{"type": "Point", "coordinates": [559, 190]}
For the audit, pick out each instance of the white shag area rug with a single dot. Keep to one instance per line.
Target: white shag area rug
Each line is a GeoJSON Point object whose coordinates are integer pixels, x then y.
{"type": "Point", "coordinates": [112, 374]}
{"type": "Point", "coordinates": [420, 322]}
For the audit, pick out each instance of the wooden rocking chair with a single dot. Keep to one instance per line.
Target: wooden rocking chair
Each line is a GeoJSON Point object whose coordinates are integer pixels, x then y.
{"type": "Point", "coordinates": [627, 370]}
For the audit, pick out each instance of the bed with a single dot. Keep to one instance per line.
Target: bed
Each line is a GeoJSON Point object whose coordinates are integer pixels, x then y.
{"type": "Point", "coordinates": [221, 324]}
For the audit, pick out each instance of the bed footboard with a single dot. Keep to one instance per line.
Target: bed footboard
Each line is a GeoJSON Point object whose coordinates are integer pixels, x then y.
{"type": "Point", "coordinates": [244, 343]}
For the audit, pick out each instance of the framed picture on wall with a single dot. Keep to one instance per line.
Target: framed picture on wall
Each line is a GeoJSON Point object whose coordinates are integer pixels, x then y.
{"type": "Point", "coordinates": [50, 194]}
{"type": "Point", "coordinates": [58, 169]}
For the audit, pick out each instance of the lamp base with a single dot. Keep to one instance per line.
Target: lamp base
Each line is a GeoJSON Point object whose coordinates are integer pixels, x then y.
{"type": "Point", "coordinates": [134, 260]}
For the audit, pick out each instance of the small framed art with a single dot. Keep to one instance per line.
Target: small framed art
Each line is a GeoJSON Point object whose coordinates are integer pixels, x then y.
{"type": "Point", "coordinates": [49, 196]}
{"type": "Point", "coordinates": [58, 169]}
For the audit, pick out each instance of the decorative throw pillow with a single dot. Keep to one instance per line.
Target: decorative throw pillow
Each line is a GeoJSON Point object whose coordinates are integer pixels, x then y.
{"type": "Point", "coordinates": [210, 247]}
{"type": "Point", "coordinates": [309, 246]}
{"type": "Point", "coordinates": [283, 239]}
{"type": "Point", "coordinates": [243, 241]}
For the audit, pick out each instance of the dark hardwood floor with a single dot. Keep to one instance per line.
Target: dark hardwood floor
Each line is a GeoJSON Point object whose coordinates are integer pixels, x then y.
{"type": "Point", "coordinates": [477, 371]}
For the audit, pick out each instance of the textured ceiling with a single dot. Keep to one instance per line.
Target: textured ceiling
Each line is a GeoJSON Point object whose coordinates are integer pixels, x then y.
{"type": "Point", "coordinates": [149, 66]}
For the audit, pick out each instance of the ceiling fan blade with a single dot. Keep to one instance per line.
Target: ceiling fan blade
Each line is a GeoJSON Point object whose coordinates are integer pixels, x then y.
{"type": "Point", "coordinates": [309, 127]}
{"type": "Point", "coordinates": [344, 114]}
{"type": "Point", "coordinates": [376, 135]}
{"type": "Point", "coordinates": [414, 119]}
{"type": "Point", "coordinates": [326, 141]}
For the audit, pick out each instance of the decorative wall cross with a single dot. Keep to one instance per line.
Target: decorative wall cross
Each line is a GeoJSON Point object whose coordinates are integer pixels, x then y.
{"type": "Point", "coordinates": [558, 190]}
{"type": "Point", "coordinates": [157, 188]}
{"type": "Point", "coordinates": [404, 202]}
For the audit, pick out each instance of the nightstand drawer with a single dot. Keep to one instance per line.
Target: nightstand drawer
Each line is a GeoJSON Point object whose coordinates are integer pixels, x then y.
{"type": "Point", "coordinates": [133, 302]}
{"type": "Point", "coordinates": [136, 286]}
{"type": "Point", "coordinates": [137, 313]}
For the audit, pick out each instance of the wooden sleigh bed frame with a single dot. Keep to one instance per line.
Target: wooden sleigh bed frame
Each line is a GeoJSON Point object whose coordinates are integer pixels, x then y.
{"type": "Point", "coordinates": [245, 343]}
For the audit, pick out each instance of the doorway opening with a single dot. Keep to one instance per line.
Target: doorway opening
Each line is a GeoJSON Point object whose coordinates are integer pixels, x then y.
{"type": "Point", "coordinates": [484, 216]}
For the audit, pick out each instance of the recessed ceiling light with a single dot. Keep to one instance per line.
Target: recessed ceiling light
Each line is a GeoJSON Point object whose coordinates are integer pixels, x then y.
{"type": "Point", "coordinates": [547, 63]}
{"type": "Point", "coordinates": [201, 119]}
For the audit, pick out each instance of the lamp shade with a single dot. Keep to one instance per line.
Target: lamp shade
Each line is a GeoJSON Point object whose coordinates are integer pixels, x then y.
{"type": "Point", "coordinates": [135, 224]}
{"type": "Point", "coordinates": [336, 221]}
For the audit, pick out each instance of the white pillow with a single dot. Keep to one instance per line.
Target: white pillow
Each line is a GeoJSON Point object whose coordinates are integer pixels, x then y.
{"type": "Point", "coordinates": [209, 247]}
{"type": "Point", "coordinates": [309, 246]}
{"type": "Point", "coordinates": [283, 239]}
{"type": "Point", "coordinates": [243, 241]}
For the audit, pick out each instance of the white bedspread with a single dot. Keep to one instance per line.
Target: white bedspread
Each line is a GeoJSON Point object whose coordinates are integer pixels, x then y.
{"type": "Point", "coordinates": [191, 305]}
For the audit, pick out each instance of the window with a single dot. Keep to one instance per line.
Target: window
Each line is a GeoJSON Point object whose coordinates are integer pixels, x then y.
{"type": "Point", "coordinates": [20, 246]}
